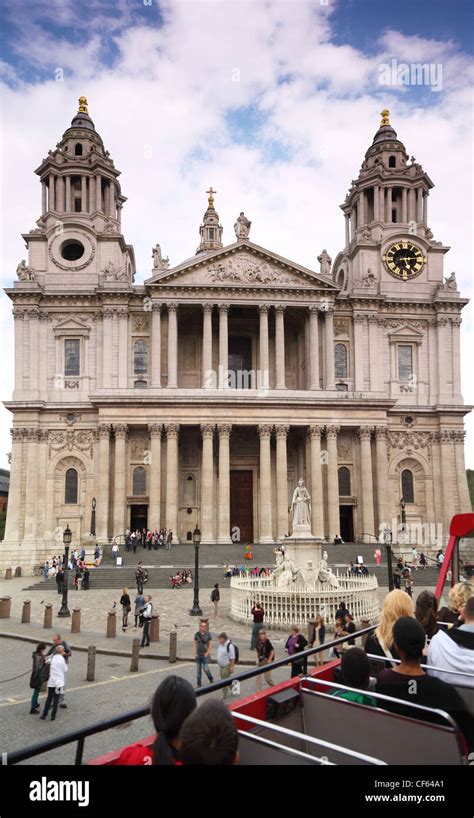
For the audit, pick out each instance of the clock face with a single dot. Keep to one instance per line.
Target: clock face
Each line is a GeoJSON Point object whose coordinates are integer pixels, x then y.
{"type": "Point", "coordinates": [404, 260]}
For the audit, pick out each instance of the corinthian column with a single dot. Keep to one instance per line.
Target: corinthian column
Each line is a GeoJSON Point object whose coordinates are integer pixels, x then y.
{"type": "Point", "coordinates": [154, 507]}
{"type": "Point", "coordinates": [264, 361]}
{"type": "Point", "coordinates": [120, 430]}
{"type": "Point", "coordinates": [461, 478]}
{"type": "Point", "coordinates": [317, 512]}
{"type": "Point", "coordinates": [103, 487]}
{"type": "Point", "coordinates": [207, 373]}
{"type": "Point", "coordinates": [333, 482]}
{"type": "Point", "coordinates": [224, 430]}
{"type": "Point", "coordinates": [207, 484]}
{"type": "Point", "coordinates": [172, 346]}
{"type": "Point", "coordinates": [280, 346]}
{"type": "Point", "coordinates": [12, 526]}
{"type": "Point", "coordinates": [223, 346]}
{"type": "Point", "coordinates": [381, 476]}
{"type": "Point", "coordinates": [282, 480]}
{"type": "Point", "coordinates": [314, 347]}
{"type": "Point", "coordinates": [329, 348]}
{"type": "Point", "coordinates": [156, 346]}
{"type": "Point", "coordinates": [367, 490]}
{"type": "Point", "coordinates": [171, 520]}
{"type": "Point", "coordinates": [265, 485]}
{"type": "Point", "coordinates": [107, 347]}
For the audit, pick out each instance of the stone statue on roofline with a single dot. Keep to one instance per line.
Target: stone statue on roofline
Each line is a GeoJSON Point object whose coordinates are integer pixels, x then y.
{"type": "Point", "coordinates": [159, 263]}
{"type": "Point", "coordinates": [325, 262]}
{"type": "Point", "coordinates": [242, 226]}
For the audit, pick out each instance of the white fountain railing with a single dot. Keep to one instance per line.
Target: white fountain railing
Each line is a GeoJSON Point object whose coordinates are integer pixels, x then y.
{"type": "Point", "coordinates": [296, 606]}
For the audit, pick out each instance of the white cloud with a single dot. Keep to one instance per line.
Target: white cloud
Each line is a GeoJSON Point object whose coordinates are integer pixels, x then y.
{"type": "Point", "coordinates": [163, 114]}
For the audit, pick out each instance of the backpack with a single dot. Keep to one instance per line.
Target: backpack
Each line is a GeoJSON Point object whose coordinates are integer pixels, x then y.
{"type": "Point", "coordinates": [237, 655]}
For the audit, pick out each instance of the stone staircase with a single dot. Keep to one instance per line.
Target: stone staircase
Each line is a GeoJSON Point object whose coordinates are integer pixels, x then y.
{"type": "Point", "coordinates": [161, 563]}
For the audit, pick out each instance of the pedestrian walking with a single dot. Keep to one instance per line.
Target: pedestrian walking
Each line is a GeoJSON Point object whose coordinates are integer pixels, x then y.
{"type": "Point", "coordinates": [216, 598]}
{"type": "Point", "coordinates": [115, 552]}
{"type": "Point", "coordinates": [78, 578]}
{"type": "Point", "coordinates": [57, 679]}
{"type": "Point", "coordinates": [294, 644]}
{"type": "Point", "coordinates": [202, 651]}
{"type": "Point", "coordinates": [126, 608]}
{"type": "Point", "coordinates": [318, 636]}
{"type": "Point", "coordinates": [139, 604]}
{"type": "Point", "coordinates": [46, 570]}
{"type": "Point", "coordinates": [265, 655]}
{"type": "Point", "coordinates": [59, 642]}
{"type": "Point", "coordinates": [257, 615]}
{"type": "Point", "coordinates": [139, 577]}
{"type": "Point", "coordinates": [86, 579]}
{"type": "Point", "coordinates": [60, 579]}
{"type": "Point", "coordinates": [225, 660]}
{"type": "Point", "coordinates": [147, 613]}
{"type": "Point", "coordinates": [83, 554]}
{"type": "Point", "coordinates": [378, 557]}
{"type": "Point", "coordinates": [38, 675]}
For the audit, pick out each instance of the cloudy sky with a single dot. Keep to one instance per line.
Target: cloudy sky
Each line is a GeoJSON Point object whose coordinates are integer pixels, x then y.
{"type": "Point", "coordinates": [273, 103]}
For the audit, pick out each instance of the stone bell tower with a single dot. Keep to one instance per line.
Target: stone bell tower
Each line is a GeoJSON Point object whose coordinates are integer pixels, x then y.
{"type": "Point", "coordinates": [210, 230]}
{"type": "Point", "coordinates": [78, 241]}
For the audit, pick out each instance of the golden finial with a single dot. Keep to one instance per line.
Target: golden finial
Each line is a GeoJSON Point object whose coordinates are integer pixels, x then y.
{"type": "Point", "coordinates": [82, 106]}
{"type": "Point", "coordinates": [385, 117]}
{"type": "Point", "coordinates": [211, 196]}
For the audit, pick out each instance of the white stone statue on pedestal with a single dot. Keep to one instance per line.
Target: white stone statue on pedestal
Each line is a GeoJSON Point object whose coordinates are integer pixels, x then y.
{"type": "Point", "coordinates": [301, 506]}
{"type": "Point", "coordinates": [242, 226]}
{"type": "Point", "coordinates": [325, 574]}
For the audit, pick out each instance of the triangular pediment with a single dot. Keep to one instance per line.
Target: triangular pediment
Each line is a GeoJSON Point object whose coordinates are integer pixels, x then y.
{"type": "Point", "coordinates": [242, 264]}
{"type": "Point", "coordinates": [405, 331]}
{"type": "Point", "coordinates": [71, 324]}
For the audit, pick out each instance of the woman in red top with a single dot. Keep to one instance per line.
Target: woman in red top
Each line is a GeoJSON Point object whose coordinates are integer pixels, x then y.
{"type": "Point", "coordinates": [172, 703]}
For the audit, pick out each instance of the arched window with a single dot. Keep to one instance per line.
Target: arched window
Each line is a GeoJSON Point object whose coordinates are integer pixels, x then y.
{"type": "Point", "coordinates": [139, 481]}
{"type": "Point", "coordinates": [140, 357]}
{"type": "Point", "coordinates": [70, 486]}
{"type": "Point", "coordinates": [408, 493]}
{"type": "Point", "coordinates": [78, 149]}
{"type": "Point", "coordinates": [340, 360]}
{"type": "Point", "coordinates": [344, 476]}
{"type": "Point", "coordinates": [392, 162]}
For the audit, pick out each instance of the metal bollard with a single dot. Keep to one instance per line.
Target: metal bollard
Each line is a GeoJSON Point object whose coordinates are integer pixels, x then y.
{"type": "Point", "coordinates": [135, 656]}
{"type": "Point", "coordinates": [48, 616]}
{"type": "Point", "coordinates": [8, 573]}
{"type": "Point", "coordinates": [364, 623]}
{"type": "Point", "coordinates": [76, 620]}
{"type": "Point", "coordinates": [111, 625]}
{"type": "Point", "coordinates": [173, 647]}
{"type": "Point", "coordinates": [155, 628]}
{"type": "Point", "coordinates": [5, 607]}
{"type": "Point", "coordinates": [26, 612]}
{"type": "Point", "coordinates": [90, 663]}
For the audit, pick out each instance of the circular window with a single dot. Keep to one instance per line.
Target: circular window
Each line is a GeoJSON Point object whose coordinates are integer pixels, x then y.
{"type": "Point", "coordinates": [408, 420]}
{"type": "Point", "coordinates": [72, 250]}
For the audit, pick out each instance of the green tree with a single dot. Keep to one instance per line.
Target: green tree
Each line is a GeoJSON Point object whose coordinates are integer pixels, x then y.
{"type": "Point", "coordinates": [470, 483]}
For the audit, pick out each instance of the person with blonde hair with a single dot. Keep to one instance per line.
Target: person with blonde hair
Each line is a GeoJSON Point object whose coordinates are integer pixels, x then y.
{"type": "Point", "coordinates": [457, 597]}
{"type": "Point", "coordinates": [380, 643]}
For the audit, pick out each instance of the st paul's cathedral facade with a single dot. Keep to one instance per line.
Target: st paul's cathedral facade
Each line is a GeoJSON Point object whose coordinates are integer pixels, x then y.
{"type": "Point", "coordinates": [204, 394]}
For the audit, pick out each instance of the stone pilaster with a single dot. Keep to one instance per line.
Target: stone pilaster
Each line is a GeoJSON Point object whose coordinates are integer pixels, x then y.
{"type": "Point", "coordinates": [329, 348]}
{"type": "Point", "coordinates": [171, 519]}
{"type": "Point", "coordinates": [333, 482]}
{"type": "Point", "coordinates": [154, 505]}
{"type": "Point", "coordinates": [120, 475]}
{"type": "Point", "coordinates": [172, 346]}
{"type": "Point", "coordinates": [223, 345]}
{"type": "Point", "coordinates": [104, 480]}
{"type": "Point", "coordinates": [383, 511]}
{"type": "Point", "coordinates": [31, 487]}
{"type": "Point", "coordinates": [367, 490]}
{"type": "Point", "coordinates": [207, 484]}
{"type": "Point", "coordinates": [107, 320]}
{"type": "Point", "coordinates": [461, 478]}
{"type": "Point", "coordinates": [314, 347]}
{"type": "Point", "coordinates": [12, 526]}
{"type": "Point", "coordinates": [281, 432]}
{"type": "Point", "coordinates": [280, 346]}
{"type": "Point", "coordinates": [264, 360]}
{"type": "Point", "coordinates": [265, 432]}
{"type": "Point", "coordinates": [156, 345]}
{"type": "Point", "coordinates": [122, 347]}
{"type": "Point", "coordinates": [224, 430]}
{"type": "Point", "coordinates": [359, 323]}
{"type": "Point", "coordinates": [207, 379]}
{"type": "Point", "coordinates": [317, 512]}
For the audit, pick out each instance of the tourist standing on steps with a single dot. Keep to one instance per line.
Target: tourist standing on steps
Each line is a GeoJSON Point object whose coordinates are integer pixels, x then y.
{"type": "Point", "coordinates": [265, 655]}
{"type": "Point", "coordinates": [56, 681]}
{"type": "Point", "coordinates": [139, 604]}
{"type": "Point", "coordinates": [257, 614]}
{"type": "Point", "coordinates": [58, 642]}
{"type": "Point", "coordinates": [38, 675]}
{"type": "Point", "coordinates": [225, 660]}
{"type": "Point", "coordinates": [126, 608]}
{"type": "Point", "coordinates": [147, 614]}
{"type": "Point", "coordinates": [46, 570]}
{"type": "Point", "coordinates": [216, 598]}
{"type": "Point", "coordinates": [60, 579]}
{"type": "Point", "coordinates": [202, 651]}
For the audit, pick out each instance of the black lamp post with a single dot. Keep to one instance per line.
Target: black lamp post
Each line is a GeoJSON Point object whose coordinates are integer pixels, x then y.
{"type": "Point", "coordinates": [94, 503]}
{"type": "Point", "coordinates": [67, 537]}
{"type": "Point", "coordinates": [388, 547]}
{"type": "Point", "coordinates": [196, 610]}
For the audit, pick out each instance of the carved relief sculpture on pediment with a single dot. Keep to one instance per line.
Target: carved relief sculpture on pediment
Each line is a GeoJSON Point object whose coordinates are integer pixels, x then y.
{"type": "Point", "coordinates": [246, 270]}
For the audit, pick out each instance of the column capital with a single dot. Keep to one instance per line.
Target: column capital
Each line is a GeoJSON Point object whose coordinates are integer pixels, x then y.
{"type": "Point", "coordinates": [280, 308]}
{"type": "Point", "coordinates": [172, 306]}
{"type": "Point", "coordinates": [121, 431]}
{"type": "Point", "coordinates": [263, 308]}
{"type": "Point", "coordinates": [32, 434]}
{"type": "Point", "coordinates": [104, 430]}
{"type": "Point", "coordinates": [224, 429]}
{"type": "Point", "coordinates": [207, 307]}
{"type": "Point", "coordinates": [223, 308]}
{"type": "Point", "coordinates": [326, 309]}
{"type": "Point", "coordinates": [365, 432]}
{"type": "Point", "coordinates": [314, 309]}
{"type": "Point", "coordinates": [156, 306]}
{"type": "Point", "coordinates": [17, 434]}
{"type": "Point", "coordinates": [172, 430]}
{"type": "Point", "coordinates": [459, 436]}
{"type": "Point", "coordinates": [359, 319]}
{"type": "Point", "coordinates": [207, 429]}
{"type": "Point", "coordinates": [264, 431]}
{"type": "Point", "coordinates": [332, 432]}
{"type": "Point", "coordinates": [316, 431]}
{"type": "Point", "coordinates": [281, 430]}
{"type": "Point", "coordinates": [155, 429]}
{"type": "Point", "coordinates": [446, 436]}
{"type": "Point", "coordinates": [381, 432]}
